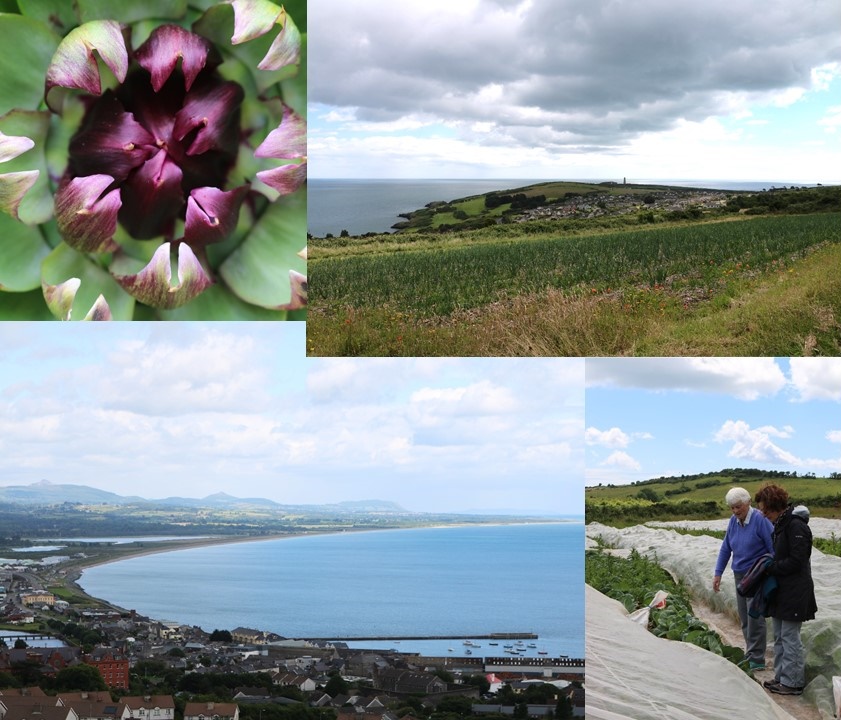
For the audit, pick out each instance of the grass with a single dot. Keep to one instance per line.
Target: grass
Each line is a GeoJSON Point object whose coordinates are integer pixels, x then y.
{"type": "Point", "coordinates": [790, 308]}
{"type": "Point", "coordinates": [702, 497]}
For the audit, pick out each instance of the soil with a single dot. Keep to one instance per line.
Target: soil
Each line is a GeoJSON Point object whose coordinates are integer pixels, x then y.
{"type": "Point", "coordinates": [731, 632]}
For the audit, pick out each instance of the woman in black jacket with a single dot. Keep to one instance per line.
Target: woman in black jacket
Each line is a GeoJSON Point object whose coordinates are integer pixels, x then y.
{"type": "Point", "coordinates": [794, 601]}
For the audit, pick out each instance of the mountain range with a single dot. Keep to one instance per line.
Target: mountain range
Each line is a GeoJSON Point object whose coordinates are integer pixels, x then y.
{"type": "Point", "coordinates": [47, 493]}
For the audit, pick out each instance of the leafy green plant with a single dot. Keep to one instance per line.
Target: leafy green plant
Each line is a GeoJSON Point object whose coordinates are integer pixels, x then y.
{"type": "Point", "coordinates": [145, 139]}
{"type": "Point", "coordinates": [830, 546]}
{"type": "Point", "coordinates": [503, 261]}
{"type": "Point", "coordinates": [635, 580]}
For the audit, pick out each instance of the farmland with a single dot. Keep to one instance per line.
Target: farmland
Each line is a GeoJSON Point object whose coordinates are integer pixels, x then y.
{"type": "Point", "coordinates": [629, 283]}
{"type": "Point", "coordinates": [676, 524]}
{"type": "Point", "coordinates": [690, 561]}
{"type": "Point", "coordinates": [701, 497]}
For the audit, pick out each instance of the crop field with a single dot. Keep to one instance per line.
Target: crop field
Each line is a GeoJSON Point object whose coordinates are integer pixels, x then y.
{"type": "Point", "coordinates": [748, 280]}
{"type": "Point", "coordinates": [690, 561]}
{"type": "Point", "coordinates": [634, 580]}
{"type": "Point", "coordinates": [696, 257]}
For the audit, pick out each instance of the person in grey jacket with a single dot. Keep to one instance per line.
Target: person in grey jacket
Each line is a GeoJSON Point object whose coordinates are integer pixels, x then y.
{"type": "Point", "coordinates": [748, 537]}
{"type": "Point", "coordinates": [794, 601]}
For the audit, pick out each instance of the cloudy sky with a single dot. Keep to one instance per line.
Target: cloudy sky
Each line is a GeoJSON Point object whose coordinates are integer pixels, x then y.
{"type": "Point", "coordinates": [643, 89]}
{"type": "Point", "coordinates": [192, 409]}
{"type": "Point", "coordinates": [648, 418]}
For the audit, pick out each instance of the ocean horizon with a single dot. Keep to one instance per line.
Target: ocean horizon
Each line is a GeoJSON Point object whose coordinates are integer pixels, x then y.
{"type": "Point", "coordinates": [374, 205]}
{"type": "Point", "coordinates": [462, 581]}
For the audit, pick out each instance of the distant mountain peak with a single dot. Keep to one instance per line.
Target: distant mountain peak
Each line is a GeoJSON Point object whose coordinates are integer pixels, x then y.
{"type": "Point", "coordinates": [48, 493]}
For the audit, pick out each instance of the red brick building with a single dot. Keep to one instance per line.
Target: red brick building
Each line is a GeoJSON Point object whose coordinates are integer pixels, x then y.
{"type": "Point", "coordinates": [111, 665]}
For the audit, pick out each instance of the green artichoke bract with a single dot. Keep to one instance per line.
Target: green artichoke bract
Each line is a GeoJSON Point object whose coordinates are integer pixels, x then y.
{"type": "Point", "coordinates": [144, 139]}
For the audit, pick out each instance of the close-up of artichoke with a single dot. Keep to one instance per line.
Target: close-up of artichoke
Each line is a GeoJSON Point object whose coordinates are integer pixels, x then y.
{"type": "Point", "coordinates": [153, 160]}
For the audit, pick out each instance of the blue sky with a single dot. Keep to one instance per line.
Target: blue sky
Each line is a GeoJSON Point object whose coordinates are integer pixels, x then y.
{"type": "Point", "coordinates": [648, 418]}
{"type": "Point", "coordinates": [650, 89]}
{"type": "Point", "coordinates": [192, 409]}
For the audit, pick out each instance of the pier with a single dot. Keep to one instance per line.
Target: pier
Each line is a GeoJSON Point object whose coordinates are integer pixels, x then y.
{"type": "Point", "coordinates": [398, 638]}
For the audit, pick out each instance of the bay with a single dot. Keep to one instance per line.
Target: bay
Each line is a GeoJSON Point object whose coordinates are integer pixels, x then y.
{"type": "Point", "coordinates": [365, 205]}
{"type": "Point", "coordinates": [361, 206]}
{"type": "Point", "coordinates": [465, 581]}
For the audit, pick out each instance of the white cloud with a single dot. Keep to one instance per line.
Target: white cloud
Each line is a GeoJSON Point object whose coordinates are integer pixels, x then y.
{"type": "Point", "coordinates": [614, 438]}
{"type": "Point", "coordinates": [745, 378]}
{"type": "Point", "coordinates": [824, 76]}
{"type": "Point", "coordinates": [557, 81]}
{"type": "Point", "coordinates": [816, 378]}
{"type": "Point", "coordinates": [188, 409]}
{"type": "Point", "coordinates": [831, 121]}
{"type": "Point", "coordinates": [756, 444]}
{"type": "Point", "coordinates": [621, 460]}
{"type": "Point", "coordinates": [482, 398]}
{"type": "Point", "coordinates": [834, 436]}
{"type": "Point", "coordinates": [340, 116]}
{"type": "Point", "coordinates": [214, 371]}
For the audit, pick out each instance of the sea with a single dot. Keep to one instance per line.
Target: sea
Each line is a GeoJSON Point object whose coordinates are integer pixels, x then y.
{"type": "Point", "coordinates": [464, 581]}
{"type": "Point", "coordinates": [361, 206]}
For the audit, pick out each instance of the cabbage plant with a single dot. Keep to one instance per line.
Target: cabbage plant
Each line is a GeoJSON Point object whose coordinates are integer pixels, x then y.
{"type": "Point", "coordinates": [152, 159]}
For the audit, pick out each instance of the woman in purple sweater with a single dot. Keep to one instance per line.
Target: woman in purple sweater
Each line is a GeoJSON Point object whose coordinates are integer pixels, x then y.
{"type": "Point", "coordinates": [748, 536]}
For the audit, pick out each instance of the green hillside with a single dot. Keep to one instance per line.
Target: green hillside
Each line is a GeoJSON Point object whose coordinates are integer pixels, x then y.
{"type": "Point", "coordinates": [701, 497]}
{"type": "Point", "coordinates": [613, 270]}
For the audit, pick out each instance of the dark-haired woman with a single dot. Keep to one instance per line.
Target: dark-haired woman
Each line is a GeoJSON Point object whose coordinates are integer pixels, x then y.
{"type": "Point", "coordinates": [794, 601]}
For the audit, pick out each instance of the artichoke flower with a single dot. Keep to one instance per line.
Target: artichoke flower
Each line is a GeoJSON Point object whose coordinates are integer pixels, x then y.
{"type": "Point", "coordinates": [145, 138]}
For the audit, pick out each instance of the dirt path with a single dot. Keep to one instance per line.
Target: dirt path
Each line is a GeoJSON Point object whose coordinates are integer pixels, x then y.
{"type": "Point", "coordinates": [731, 632]}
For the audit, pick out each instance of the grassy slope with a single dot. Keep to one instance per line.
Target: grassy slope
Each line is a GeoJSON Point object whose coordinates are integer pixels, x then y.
{"type": "Point", "coordinates": [804, 489]}
{"type": "Point", "coordinates": [812, 492]}
{"type": "Point", "coordinates": [795, 313]}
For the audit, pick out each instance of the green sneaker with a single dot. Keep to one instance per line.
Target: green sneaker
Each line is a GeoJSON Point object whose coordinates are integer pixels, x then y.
{"type": "Point", "coordinates": [756, 665]}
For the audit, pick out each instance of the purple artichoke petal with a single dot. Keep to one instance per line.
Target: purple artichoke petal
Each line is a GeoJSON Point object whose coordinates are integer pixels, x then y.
{"type": "Point", "coordinates": [13, 186]}
{"type": "Point", "coordinates": [59, 298]}
{"type": "Point", "coordinates": [286, 48]}
{"type": "Point", "coordinates": [152, 284]}
{"type": "Point", "coordinates": [287, 141]}
{"type": "Point", "coordinates": [13, 145]}
{"type": "Point", "coordinates": [285, 178]}
{"type": "Point", "coordinates": [253, 19]}
{"type": "Point", "coordinates": [212, 110]}
{"type": "Point", "coordinates": [110, 141]}
{"type": "Point", "coordinates": [159, 55]}
{"type": "Point", "coordinates": [99, 310]}
{"type": "Point", "coordinates": [153, 198]}
{"type": "Point", "coordinates": [212, 214]}
{"type": "Point", "coordinates": [154, 111]}
{"type": "Point", "coordinates": [74, 65]}
{"type": "Point", "coordinates": [86, 215]}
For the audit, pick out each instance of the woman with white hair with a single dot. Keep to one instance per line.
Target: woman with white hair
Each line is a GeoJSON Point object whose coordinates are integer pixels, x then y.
{"type": "Point", "coordinates": [747, 538]}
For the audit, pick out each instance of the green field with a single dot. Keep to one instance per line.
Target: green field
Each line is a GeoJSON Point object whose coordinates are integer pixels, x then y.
{"type": "Point", "coordinates": [729, 283]}
{"type": "Point", "coordinates": [701, 497]}
{"type": "Point", "coordinates": [703, 257]}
